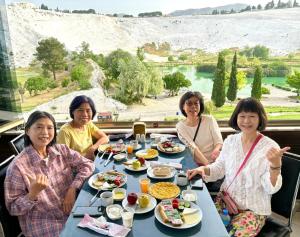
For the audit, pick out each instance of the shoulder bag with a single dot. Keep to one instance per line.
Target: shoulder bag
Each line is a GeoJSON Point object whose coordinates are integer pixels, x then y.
{"type": "Point", "coordinates": [229, 202]}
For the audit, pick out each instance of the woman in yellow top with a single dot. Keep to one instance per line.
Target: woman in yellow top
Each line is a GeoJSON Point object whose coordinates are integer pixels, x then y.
{"type": "Point", "coordinates": [80, 132]}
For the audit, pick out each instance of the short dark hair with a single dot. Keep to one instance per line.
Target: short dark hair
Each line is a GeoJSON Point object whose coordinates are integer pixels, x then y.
{"type": "Point", "coordinates": [186, 96]}
{"type": "Point", "coordinates": [35, 116]}
{"type": "Point", "coordinates": [249, 105]}
{"type": "Point", "coordinates": [77, 101]}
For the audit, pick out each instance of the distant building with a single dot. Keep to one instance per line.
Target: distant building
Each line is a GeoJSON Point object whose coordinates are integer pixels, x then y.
{"type": "Point", "coordinates": [104, 116]}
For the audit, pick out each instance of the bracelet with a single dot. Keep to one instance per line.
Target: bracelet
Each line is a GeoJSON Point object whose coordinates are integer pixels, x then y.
{"type": "Point", "coordinates": [275, 168]}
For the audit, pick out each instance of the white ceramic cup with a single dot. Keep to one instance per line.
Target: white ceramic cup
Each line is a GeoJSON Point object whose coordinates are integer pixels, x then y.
{"type": "Point", "coordinates": [106, 198]}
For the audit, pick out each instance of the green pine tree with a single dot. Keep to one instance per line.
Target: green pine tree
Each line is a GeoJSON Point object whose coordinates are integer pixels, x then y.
{"type": "Point", "coordinates": [232, 87]}
{"type": "Point", "coordinates": [218, 92]}
{"type": "Point", "coordinates": [256, 86]}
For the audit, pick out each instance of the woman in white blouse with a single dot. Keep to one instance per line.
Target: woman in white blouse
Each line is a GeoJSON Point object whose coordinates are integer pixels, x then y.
{"type": "Point", "coordinates": [258, 180]}
{"type": "Point", "coordinates": [208, 141]}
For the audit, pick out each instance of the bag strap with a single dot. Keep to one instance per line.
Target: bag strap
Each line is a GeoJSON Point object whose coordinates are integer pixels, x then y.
{"type": "Point", "coordinates": [246, 158]}
{"type": "Point", "coordinates": [197, 129]}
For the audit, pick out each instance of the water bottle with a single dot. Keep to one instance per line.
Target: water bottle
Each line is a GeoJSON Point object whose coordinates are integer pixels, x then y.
{"type": "Point", "coordinates": [225, 217]}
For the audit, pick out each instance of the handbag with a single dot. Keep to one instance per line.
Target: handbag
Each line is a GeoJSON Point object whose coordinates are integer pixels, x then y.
{"type": "Point", "coordinates": [230, 204]}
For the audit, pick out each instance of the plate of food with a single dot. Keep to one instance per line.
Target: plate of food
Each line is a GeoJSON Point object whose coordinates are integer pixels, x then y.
{"type": "Point", "coordinates": [170, 147]}
{"type": "Point", "coordinates": [147, 153]}
{"type": "Point", "coordinates": [178, 214]}
{"type": "Point", "coordinates": [164, 190]}
{"type": "Point", "coordinates": [161, 172]}
{"type": "Point", "coordinates": [139, 164]}
{"type": "Point", "coordinates": [141, 202]}
{"type": "Point", "coordinates": [115, 148]}
{"type": "Point", "coordinates": [107, 180]}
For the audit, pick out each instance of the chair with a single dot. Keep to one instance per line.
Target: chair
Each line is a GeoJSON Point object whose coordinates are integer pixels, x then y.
{"type": "Point", "coordinates": [10, 224]}
{"type": "Point", "coordinates": [17, 144]}
{"type": "Point", "coordinates": [283, 202]}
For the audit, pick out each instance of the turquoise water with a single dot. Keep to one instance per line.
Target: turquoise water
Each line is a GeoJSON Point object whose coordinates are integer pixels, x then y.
{"type": "Point", "coordinates": [203, 81]}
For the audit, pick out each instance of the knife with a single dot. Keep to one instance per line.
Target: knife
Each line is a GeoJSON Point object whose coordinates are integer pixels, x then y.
{"type": "Point", "coordinates": [108, 159]}
{"type": "Point", "coordinates": [94, 198]}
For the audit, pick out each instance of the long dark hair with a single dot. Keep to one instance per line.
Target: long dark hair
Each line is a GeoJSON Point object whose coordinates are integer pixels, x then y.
{"type": "Point", "coordinates": [32, 119]}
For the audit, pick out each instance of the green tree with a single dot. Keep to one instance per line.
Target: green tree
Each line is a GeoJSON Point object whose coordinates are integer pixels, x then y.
{"type": "Point", "coordinates": [80, 72]}
{"type": "Point", "coordinates": [140, 53]}
{"type": "Point", "coordinates": [218, 91]}
{"type": "Point", "coordinates": [134, 81]}
{"type": "Point", "coordinates": [294, 81]}
{"type": "Point", "coordinates": [256, 86]}
{"type": "Point", "coordinates": [241, 80]}
{"type": "Point", "coordinates": [156, 82]}
{"type": "Point", "coordinates": [232, 87]}
{"type": "Point", "coordinates": [173, 82]}
{"type": "Point", "coordinates": [85, 51]}
{"type": "Point", "coordinates": [36, 84]}
{"type": "Point", "coordinates": [170, 58]}
{"type": "Point", "coordinates": [112, 62]}
{"type": "Point", "coordinates": [52, 54]}
{"type": "Point", "coordinates": [183, 57]}
{"type": "Point", "coordinates": [261, 51]}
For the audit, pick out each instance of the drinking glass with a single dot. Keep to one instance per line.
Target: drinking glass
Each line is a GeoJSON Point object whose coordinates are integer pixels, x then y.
{"type": "Point", "coordinates": [144, 185]}
{"type": "Point", "coordinates": [127, 217]}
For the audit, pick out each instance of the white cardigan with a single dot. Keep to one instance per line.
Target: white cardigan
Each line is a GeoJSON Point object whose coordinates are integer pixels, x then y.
{"type": "Point", "coordinates": [252, 188]}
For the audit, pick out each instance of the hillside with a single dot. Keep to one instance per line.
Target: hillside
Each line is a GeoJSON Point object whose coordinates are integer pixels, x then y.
{"type": "Point", "coordinates": [276, 29]}
{"type": "Point", "coordinates": [208, 10]}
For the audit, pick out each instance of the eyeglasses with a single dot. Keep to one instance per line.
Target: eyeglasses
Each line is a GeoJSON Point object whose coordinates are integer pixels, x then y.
{"type": "Point", "coordinates": [191, 103]}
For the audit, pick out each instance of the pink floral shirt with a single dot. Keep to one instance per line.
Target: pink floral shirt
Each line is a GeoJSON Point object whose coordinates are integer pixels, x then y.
{"type": "Point", "coordinates": [45, 216]}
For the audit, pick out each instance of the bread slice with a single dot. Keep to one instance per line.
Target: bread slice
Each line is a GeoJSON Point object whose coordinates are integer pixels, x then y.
{"type": "Point", "coordinates": [162, 171]}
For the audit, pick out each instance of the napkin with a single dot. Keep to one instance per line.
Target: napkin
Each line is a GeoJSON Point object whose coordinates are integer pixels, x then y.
{"type": "Point", "coordinates": [155, 135]}
{"type": "Point", "coordinates": [103, 227]}
{"type": "Point", "coordinates": [171, 164]}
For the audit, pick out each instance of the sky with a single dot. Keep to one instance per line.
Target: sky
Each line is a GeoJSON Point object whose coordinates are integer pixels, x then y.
{"type": "Point", "coordinates": [137, 6]}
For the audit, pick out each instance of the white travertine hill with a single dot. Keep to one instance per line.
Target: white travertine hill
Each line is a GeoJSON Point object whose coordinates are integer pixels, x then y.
{"type": "Point", "coordinates": [277, 29]}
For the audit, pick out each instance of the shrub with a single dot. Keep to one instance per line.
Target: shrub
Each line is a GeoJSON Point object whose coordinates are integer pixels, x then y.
{"type": "Point", "coordinates": [209, 107]}
{"type": "Point", "coordinates": [265, 90]}
{"type": "Point", "coordinates": [65, 82]}
{"type": "Point", "coordinates": [84, 84]}
{"type": "Point", "coordinates": [52, 84]}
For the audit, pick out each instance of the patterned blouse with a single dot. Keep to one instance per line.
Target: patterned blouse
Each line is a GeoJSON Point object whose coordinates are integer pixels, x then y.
{"type": "Point", "coordinates": [45, 216]}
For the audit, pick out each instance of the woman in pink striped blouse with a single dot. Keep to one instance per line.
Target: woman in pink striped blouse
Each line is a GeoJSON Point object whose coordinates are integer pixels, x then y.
{"type": "Point", "coordinates": [40, 186]}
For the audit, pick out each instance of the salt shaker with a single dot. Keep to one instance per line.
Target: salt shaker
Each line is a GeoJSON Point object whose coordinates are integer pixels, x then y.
{"type": "Point", "coordinates": [143, 138]}
{"type": "Point", "coordinates": [138, 137]}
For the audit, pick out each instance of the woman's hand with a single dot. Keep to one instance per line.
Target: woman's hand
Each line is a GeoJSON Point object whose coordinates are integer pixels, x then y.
{"type": "Point", "coordinates": [69, 200]}
{"type": "Point", "coordinates": [274, 156]}
{"type": "Point", "coordinates": [215, 154]}
{"type": "Point", "coordinates": [90, 153]}
{"type": "Point", "coordinates": [37, 184]}
{"type": "Point", "coordinates": [193, 172]}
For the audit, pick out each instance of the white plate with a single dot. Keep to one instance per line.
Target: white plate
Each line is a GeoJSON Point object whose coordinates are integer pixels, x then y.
{"type": "Point", "coordinates": [144, 167]}
{"type": "Point", "coordinates": [120, 156]}
{"type": "Point", "coordinates": [106, 186]}
{"type": "Point", "coordinates": [181, 147]}
{"type": "Point", "coordinates": [151, 175]}
{"type": "Point", "coordinates": [184, 226]}
{"type": "Point", "coordinates": [137, 209]}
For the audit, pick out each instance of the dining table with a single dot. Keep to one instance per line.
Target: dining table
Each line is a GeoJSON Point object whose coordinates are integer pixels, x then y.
{"type": "Point", "coordinates": [146, 225]}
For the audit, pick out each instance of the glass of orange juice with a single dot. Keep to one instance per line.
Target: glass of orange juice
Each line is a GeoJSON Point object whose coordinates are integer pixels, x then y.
{"type": "Point", "coordinates": [129, 149]}
{"type": "Point", "coordinates": [144, 184]}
